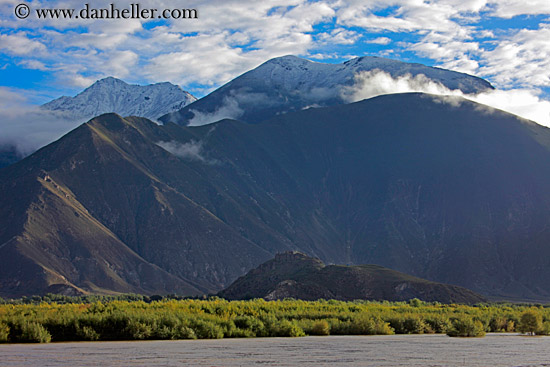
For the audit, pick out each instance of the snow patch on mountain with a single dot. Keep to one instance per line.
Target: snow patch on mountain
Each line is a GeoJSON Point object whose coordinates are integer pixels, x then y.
{"type": "Point", "coordinates": [290, 83]}
{"type": "Point", "coordinates": [114, 95]}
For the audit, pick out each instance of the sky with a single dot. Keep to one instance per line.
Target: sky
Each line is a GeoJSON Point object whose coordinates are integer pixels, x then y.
{"type": "Point", "coordinates": [506, 42]}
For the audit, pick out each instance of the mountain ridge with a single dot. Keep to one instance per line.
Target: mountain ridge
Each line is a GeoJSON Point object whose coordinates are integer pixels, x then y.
{"type": "Point", "coordinates": [110, 95]}
{"type": "Point", "coordinates": [114, 95]}
{"type": "Point", "coordinates": [412, 182]}
{"type": "Point", "coordinates": [289, 83]}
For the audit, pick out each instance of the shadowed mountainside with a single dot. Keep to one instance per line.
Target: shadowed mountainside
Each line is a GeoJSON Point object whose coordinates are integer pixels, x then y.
{"type": "Point", "coordinates": [439, 188]}
{"type": "Point", "coordinates": [295, 275]}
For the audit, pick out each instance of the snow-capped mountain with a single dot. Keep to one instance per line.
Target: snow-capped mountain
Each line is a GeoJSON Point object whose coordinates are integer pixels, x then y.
{"type": "Point", "coordinates": [290, 83]}
{"type": "Point", "coordinates": [114, 95]}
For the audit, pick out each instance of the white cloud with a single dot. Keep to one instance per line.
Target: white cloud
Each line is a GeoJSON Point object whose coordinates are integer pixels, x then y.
{"type": "Point", "coordinates": [229, 38]}
{"type": "Point", "coordinates": [228, 110]}
{"type": "Point", "coordinates": [380, 41]}
{"type": "Point", "coordinates": [232, 36]}
{"type": "Point", "coordinates": [522, 102]}
{"type": "Point", "coordinates": [27, 127]}
{"type": "Point", "coordinates": [451, 32]}
{"type": "Point", "coordinates": [339, 36]}
{"type": "Point", "coordinates": [512, 8]}
{"type": "Point", "coordinates": [373, 83]}
{"type": "Point", "coordinates": [523, 59]}
{"type": "Point", "coordinates": [120, 64]}
{"type": "Point", "coordinates": [19, 44]}
{"type": "Point", "coordinates": [192, 150]}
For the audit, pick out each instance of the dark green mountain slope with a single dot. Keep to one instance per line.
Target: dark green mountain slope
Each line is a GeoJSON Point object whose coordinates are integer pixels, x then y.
{"type": "Point", "coordinates": [295, 275]}
{"type": "Point", "coordinates": [443, 189]}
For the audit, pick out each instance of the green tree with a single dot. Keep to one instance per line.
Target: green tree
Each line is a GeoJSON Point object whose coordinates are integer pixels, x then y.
{"type": "Point", "coordinates": [466, 327]}
{"type": "Point", "coordinates": [530, 322]}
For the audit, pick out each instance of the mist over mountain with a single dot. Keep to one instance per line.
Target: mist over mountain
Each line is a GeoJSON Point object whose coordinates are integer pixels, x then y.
{"type": "Point", "coordinates": [289, 83]}
{"type": "Point", "coordinates": [437, 187]}
{"type": "Point", "coordinates": [27, 128]}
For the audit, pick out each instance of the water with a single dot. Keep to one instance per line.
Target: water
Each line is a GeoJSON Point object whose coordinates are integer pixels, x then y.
{"type": "Point", "coordinates": [395, 350]}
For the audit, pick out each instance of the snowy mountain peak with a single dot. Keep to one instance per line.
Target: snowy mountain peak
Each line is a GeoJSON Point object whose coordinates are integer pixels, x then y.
{"type": "Point", "coordinates": [290, 83]}
{"type": "Point", "coordinates": [114, 95]}
{"type": "Point", "coordinates": [109, 79]}
{"type": "Point", "coordinates": [289, 60]}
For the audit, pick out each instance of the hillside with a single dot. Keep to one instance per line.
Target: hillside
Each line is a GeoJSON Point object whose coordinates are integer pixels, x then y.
{"type": "Point", "coordinates": [442, 189]}
{"type": "Point", "coordinates": [295, 275]}
{"type": "Point", "coordinates": [288, 83]}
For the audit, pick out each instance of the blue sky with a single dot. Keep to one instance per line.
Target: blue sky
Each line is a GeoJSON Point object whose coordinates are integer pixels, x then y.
{"type": "Point", "coordinates": [505, 42]}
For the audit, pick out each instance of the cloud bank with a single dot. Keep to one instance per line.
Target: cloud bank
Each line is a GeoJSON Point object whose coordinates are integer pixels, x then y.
{"type": "Point", "coordinates": [28, 127]}
{"type": "Point", "coordinates": [228, 110]}
{"type": "Point", "coordinates": [522, 102]}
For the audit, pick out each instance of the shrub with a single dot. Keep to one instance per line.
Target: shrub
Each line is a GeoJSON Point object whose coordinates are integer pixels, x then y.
{"type": "Point", "coordinates": [498, 323]}
{"type": "Point", "coordinates": [320, 328]}
{"type": "Point", "coordinates": [414, 325]}
{"type": "Point", "coordinates": [362, 325]}
{"type": "Point", "coordinates": [249, 326]}
{"type": "Point", "coordinates": [162, 332]}
{"type": "Point", "coordinates": [30, 332]}
{"type": "Point", "coordinates": [411, 324]}
{"type": "Point", "coordinates": [288, 329]}
{"type": "Point", "coordinates": [545, 329]}
{"type": "Point", "coordinates": [465, 327]}
{"type": "Point", "coordinates": [110, 318]}
{"type": "Point", "coordinates": [207, 329]}
{"type": "Point", "coordinates": [86, 333]}
{"type": "Point", "coordinates": [138, 330]}
{"type": "Point", "coordinates": [4, 332]}
{"type": "Point", "coordinates": [383, 328]}
{"type": "Point", "coordinates": [184, 332]}
{"type": "Point", "coordinates": [438, 325]}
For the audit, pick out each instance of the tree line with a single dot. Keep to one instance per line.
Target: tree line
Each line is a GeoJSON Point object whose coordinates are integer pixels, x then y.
{"type": "Point", "coordinates": [134, 317]}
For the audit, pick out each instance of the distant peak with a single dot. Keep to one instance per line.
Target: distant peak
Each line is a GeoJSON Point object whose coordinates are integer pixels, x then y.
{"type": "Point", "coordinates": [286, 57]}
{"type": "Point", "coordinates": [291, 255]}
{"type": "Point", "coordinates": [167, 83]}
{"type": "Point", "coordinates": [368, 59]}
{"type": "Point", "coordinates": [288, 60]}
{"type": "Point", "coordinates": [296, 258]}
{"type": "Point", "coordinates": [108, 81]}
